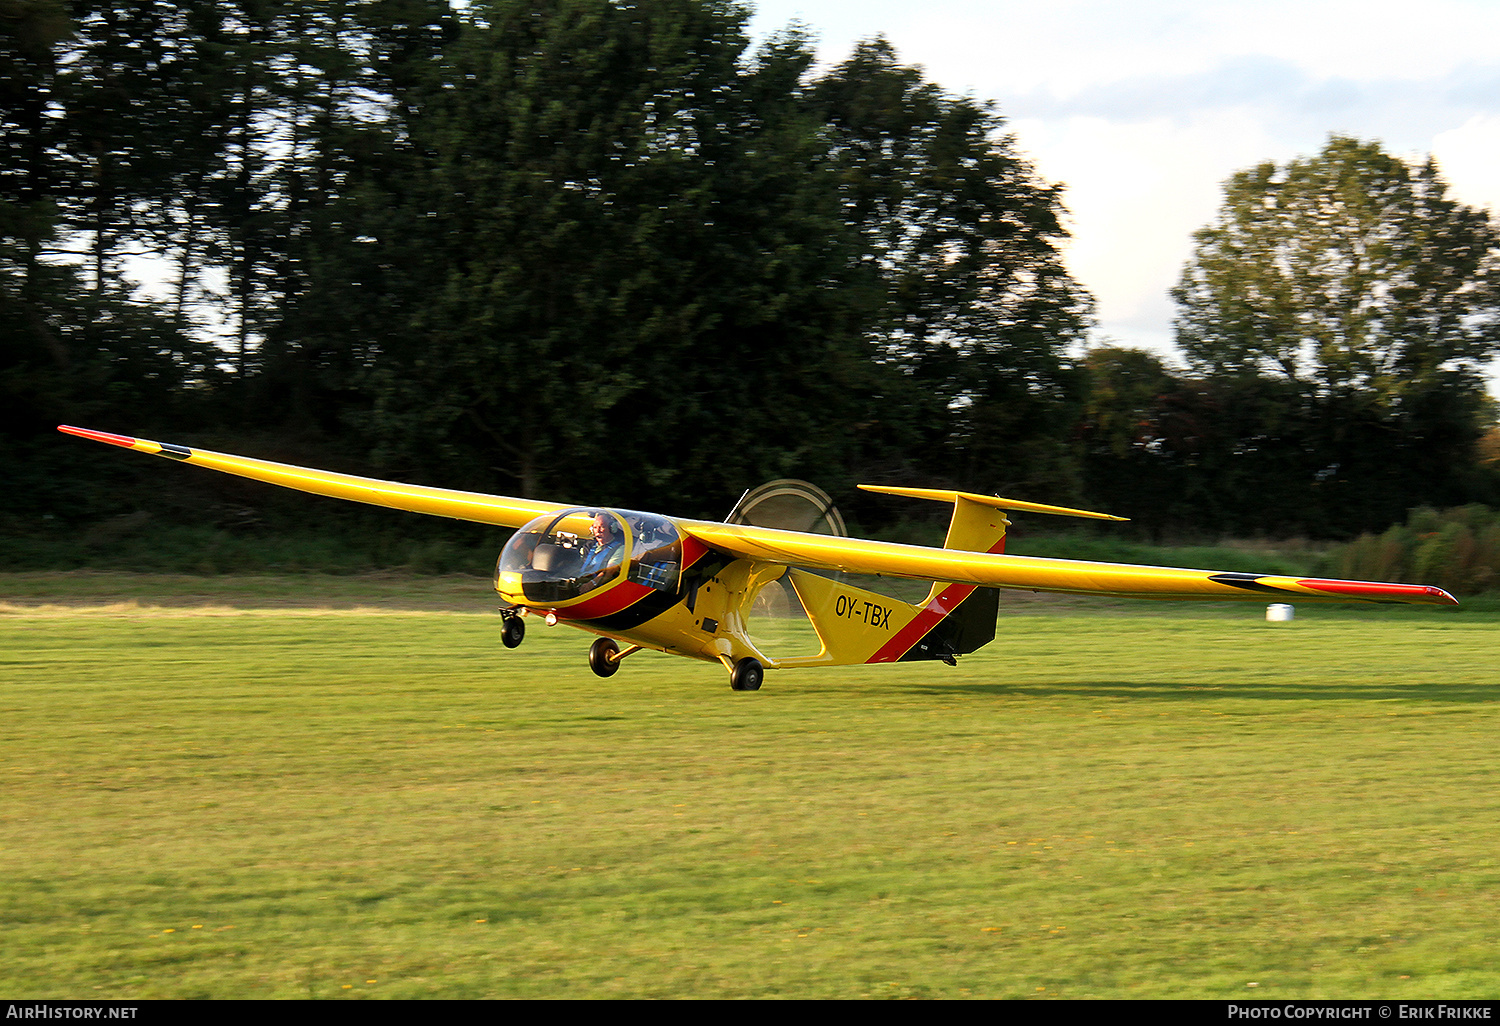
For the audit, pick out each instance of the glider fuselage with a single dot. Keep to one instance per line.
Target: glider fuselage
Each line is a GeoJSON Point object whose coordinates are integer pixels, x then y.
{"type": "Point", "coordinates": [638, 578]}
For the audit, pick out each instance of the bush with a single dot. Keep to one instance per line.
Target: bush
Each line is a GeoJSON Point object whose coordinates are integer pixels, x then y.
{"type": "Point", "coordinates": [1455, 549]}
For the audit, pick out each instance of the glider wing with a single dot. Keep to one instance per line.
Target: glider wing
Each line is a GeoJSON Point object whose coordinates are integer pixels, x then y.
{"type": "Point", "coordinates": [500, 510]}
{"type": "Point", "coordinates": [1032, 573]}
{"type": "Point", "coordinates": [821, 552]}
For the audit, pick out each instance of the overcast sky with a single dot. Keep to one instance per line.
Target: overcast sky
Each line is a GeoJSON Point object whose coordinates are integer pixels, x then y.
{"type": "Point", "coordinates": [1144, 107]}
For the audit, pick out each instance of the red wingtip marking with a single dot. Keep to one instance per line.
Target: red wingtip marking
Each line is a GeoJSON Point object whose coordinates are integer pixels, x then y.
{"type": "Point", "coordinates": [97, 436]}
{"type": "Point", "coordinates": [1370, 590]}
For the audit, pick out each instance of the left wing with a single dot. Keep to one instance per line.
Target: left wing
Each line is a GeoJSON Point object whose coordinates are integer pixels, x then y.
{"type": "Point", "coordinates": [500, 510]}
{"type": "Point", "coordinates": [1034, 573]}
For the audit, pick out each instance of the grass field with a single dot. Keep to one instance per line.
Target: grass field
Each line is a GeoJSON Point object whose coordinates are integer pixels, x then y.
{"type": "Point", "coordinates": [250, 797]}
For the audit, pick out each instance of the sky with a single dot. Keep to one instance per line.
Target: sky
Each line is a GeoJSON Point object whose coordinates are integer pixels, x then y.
{"type": "Point", "coordinates": [1143, 108]}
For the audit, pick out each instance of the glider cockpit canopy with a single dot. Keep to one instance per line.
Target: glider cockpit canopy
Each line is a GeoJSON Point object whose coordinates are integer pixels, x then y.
{"type": "Point", "coordinates": [563, 556]}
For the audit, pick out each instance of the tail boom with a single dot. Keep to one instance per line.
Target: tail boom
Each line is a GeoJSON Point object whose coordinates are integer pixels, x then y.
{"type": "Point", "coordinates": [858, 626]}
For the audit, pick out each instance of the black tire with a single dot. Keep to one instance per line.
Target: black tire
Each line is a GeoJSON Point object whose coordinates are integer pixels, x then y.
{"type": "Point", "coordinates": [602, 657]}
{"type": "Point", "coordinates": [747, 675]}
{"type": "Point", "coordinates": [513, 632]}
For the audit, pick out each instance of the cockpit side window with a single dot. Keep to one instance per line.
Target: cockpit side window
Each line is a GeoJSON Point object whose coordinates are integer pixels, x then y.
{"type": "Point", "coordinates": [656, 557]}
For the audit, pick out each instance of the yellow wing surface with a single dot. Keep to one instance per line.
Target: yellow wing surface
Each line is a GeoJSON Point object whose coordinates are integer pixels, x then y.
{"type": "Point", "coordinates": [824, 552]}
{"type": "Point", "coordinates": [1033, 573]}
{"type": "Point", "coordinates": [499, 510]}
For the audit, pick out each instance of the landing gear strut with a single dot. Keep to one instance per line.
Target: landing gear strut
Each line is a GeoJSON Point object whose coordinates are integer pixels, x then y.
{"type": "Point", "coordinates": [747, 675]}
{"type": "Point", "coordinates": [514, 629]}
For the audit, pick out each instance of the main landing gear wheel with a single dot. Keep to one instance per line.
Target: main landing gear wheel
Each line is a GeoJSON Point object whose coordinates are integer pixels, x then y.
{"type": "Point", "coordinates": [513, 631]}
{"type": "Point", "coordinates": [747, 675]}
{"type": "Point", "coordinates": [604, 657]}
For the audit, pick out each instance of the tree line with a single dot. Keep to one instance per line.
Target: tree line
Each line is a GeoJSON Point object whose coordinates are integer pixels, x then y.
{"type": "Point", "coordinates": [603, 251]}
{"type": "Point", "coordinates": [1336, 318]}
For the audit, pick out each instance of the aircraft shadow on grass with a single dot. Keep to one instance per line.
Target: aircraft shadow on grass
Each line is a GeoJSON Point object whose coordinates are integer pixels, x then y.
{"type": "Point", "coordinates": [1187, 692]}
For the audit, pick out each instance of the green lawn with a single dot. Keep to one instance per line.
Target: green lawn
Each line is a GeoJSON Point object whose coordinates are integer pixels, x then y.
{"type": "Point", "coordinates": [1112, 800]}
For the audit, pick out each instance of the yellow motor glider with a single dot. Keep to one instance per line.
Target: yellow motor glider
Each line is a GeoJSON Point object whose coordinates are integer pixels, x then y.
{"type": "Point", "coordinates": [647, 581]}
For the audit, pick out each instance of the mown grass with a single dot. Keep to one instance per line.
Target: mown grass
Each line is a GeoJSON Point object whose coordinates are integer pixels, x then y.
{"type": "Point", "coordinates": [139, 543]}
{"type": "Point", "coordinates": [1110, 801]}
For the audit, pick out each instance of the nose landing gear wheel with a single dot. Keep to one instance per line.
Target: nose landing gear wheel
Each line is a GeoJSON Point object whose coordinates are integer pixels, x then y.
{"type": "Point", "coordinates": [747, 675]}
{"type": "Point", "coordinates": [513, 631]}
{"type": "Point", "coordinates": [603, 655]}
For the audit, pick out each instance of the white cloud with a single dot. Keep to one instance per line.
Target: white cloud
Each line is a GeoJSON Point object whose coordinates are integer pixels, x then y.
{"type": "Point", "coordinates": [1469, 157]}
{"type": "Point", "coordinates": [1137, 192]}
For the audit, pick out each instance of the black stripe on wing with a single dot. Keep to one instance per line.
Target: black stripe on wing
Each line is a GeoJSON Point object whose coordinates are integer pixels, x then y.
{"type": "Point", "coordinates": [1249, 582]}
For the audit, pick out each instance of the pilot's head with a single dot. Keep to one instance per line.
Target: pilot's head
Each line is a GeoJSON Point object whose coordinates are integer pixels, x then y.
{"type": "Point", "coordinates": [603, 529]}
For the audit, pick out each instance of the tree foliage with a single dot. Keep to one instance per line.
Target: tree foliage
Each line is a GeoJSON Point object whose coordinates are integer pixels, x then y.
{"type": "Point", "coordinates": [1349, 271]}
{"type": "Point", "coordinates": [605, 250]}
{"type": "Point", "coordinates": [957, 249]}
{"type": "Point", "coordinates": [576, 247]}
{"type": "Point", "coordinates": [638, 254]}
{"type": "Point", "coordinates": [1374, 299]}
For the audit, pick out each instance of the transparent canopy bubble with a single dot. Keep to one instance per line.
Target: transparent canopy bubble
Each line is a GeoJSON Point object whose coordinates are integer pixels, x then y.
{"type": "Point", "coordinates": [559, 558]}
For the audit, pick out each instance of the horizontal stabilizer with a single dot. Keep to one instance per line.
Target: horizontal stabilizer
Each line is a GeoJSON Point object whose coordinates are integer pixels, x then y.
{"type": "Point", "coordinates": [945, 495]}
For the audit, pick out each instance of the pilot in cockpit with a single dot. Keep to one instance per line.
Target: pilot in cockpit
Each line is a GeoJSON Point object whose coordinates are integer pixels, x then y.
{"type": "Point", "coordinates": [608, 549]}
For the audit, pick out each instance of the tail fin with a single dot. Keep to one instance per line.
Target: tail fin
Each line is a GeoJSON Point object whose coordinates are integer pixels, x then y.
{"type": "Point", "coordinates": [977, 526]}
{"type": "Point", "coordinates": [956, 619]}
{"type": "Point", "coordinates": [858, 626]}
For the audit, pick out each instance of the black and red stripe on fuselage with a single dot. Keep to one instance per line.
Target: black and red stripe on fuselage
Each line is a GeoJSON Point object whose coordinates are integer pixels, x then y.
{"type": "Point", "coordinates": [629, 605]}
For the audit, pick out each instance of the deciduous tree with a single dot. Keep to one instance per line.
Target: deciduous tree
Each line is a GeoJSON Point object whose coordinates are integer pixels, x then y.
{"type": "Point", "coordinates": [1353, 277]}
{"type": "Point", "coordinates": [960, 269]}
